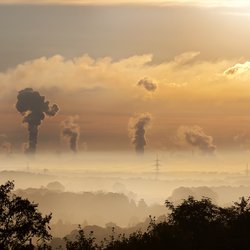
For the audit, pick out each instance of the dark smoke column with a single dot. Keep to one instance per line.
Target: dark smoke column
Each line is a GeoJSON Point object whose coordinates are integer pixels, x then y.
{"type": "Point", "coordinates": [71, 131]}
{"type": "Point", "coordinates": [137, 131]}
{"type": "Point", "coordinates": [33, 108]}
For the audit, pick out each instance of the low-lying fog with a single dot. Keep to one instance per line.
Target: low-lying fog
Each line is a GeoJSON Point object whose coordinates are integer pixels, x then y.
{"type": "Point", "coordinates": [123, 188]}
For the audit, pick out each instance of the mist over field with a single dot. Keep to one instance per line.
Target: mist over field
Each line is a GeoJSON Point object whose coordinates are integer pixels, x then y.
{"type": "Point", "coordinates": [94, 188]}
{"type": "Point", "coordinates": [100, 171]}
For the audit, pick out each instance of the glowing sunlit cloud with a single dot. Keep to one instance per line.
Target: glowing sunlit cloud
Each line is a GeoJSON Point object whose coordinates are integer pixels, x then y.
{"type": "Point", "coordinates": [104, 76]}
{"type": "Point", "coordinates": [237, 69]}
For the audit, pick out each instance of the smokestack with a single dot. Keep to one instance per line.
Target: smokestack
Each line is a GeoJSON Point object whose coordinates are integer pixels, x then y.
{"type": "Point", "coordinates": [33, 108]}
{"type": "Point", "coordinates": [137, 131]}
{"type": "Point", "coordinates": [71, 131]}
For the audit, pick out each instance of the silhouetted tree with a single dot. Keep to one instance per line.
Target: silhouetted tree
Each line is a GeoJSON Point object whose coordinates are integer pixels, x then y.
{"type": "Point", "coordinates": [196, 224]}
{"type": "Point", "coordinates": [191, 225]}
{"type": "Point", "coordinates": [238, 224]}
{"type": "Point", "coordinates": [21, 222]}
{"type": "Point", "coordinates": [81, 242]}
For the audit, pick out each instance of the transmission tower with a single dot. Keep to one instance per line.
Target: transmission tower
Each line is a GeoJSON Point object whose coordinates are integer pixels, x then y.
{"type": "Point", "coordinates": [157, 167]}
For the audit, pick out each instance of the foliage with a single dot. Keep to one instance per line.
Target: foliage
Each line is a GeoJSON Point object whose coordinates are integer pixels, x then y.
{"type": "Point", "coordinates": [192, 225]}
{"type": "Point", "coordinates": [21, 222]}
{"type": "Point", "coordinates": [81, 242]}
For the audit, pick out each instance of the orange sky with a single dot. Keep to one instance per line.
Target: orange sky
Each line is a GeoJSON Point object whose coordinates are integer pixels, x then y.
{"type": "Point", "coordinates": [91, 65]}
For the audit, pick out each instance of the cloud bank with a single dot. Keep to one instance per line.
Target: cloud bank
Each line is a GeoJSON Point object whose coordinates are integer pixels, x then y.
{"type": "Point", "coordinates": [191, 91]}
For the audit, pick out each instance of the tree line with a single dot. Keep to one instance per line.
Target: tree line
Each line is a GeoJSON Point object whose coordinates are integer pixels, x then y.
{"type": "Point", "coordinates": [191, 225]}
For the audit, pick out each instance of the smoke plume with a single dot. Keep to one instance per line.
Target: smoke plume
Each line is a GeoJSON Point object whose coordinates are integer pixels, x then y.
{"type": "Point", "coordinates": [71, 131]}
{"type": "Point", "coordinates": [5, 145]}
{"type": "Point", "coordinates": [195, 136]}
{"type": "Point", "coordinates": [242, 140]}
{"type": "Point", "coordinates": [33, 108]}
{"type": "Point", "coordinates": [137, 131]}
{"type": "Point", "coordinates": [147, 84]}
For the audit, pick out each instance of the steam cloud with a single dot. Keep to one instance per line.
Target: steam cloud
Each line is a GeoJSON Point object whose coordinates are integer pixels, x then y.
{"type": "Point", "coordinates": [33, 108]}
{"type": "Point", "coordinates": [137, 131]}
{"type": "Point", "coordinates": [196, 137]}
{"type": "Point", "coordinates": [242, 140]}
{"type": "Point", "coordinates": [71, 131]}
{"type": "Point", "coordinates": [147, 84]}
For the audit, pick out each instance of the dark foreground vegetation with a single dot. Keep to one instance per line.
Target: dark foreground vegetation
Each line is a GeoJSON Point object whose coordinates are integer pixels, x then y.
{"type": "Point", "coordinates": [192, 225]}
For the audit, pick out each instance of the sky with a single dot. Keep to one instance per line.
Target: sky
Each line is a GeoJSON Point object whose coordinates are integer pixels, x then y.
{"type": "Point", "coordinates": [104, 2]}
{"type": "Point", "coordinates": [186, 64]}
